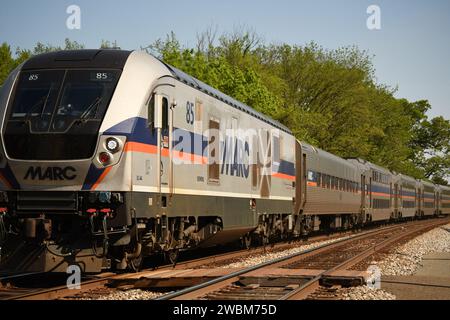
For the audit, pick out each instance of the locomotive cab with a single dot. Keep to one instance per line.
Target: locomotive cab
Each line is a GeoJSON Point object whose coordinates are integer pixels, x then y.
{"type": "Point", "coordinates": [53, 158]}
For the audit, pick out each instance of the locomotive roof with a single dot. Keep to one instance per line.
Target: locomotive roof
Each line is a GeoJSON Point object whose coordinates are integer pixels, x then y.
{"type": "Point", "coordinates": [199, 85]}
{"type": "Point", "coordinates": [85, 58]}
{"type": "Point", "coordinates": [107, 58]}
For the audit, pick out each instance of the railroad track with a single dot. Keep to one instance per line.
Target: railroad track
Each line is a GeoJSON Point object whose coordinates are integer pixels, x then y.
{"type": "Point", "coordinates": [227, 286]}
{"type": "Point", "coordinates": [265, 281]}
{"type": "Point", "coordinates": [8, 292]}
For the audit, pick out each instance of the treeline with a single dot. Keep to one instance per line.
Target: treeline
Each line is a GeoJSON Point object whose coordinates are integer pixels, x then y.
{"type": "Point", "coordinates": [329, 98]}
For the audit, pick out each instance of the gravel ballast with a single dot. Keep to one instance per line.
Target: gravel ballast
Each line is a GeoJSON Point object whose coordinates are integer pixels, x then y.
{"type": "Point", "coordinates": [256, 259]}
{"type": "Point", "coordinates": [407, 259]}
{"type": "Point", "coordinates": [404, 261]}
{"type": "Point", "coordinates": [134, 294]}
{"type": "Point", "coordinates": [364, 293]}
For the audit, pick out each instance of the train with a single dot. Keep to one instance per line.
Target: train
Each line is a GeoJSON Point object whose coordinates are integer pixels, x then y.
{"type": "Point", "coordinates": [111, 156]}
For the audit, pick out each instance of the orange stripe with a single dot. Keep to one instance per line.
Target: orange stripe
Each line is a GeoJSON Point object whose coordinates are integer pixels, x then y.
{"type": "Point", "coordinates": [140, 147]}
{"type": "Point", "coordinates": [100, 179]}
{"type": "Point", "coordinates": [146, 148]}
{"type": "Point", "coordinates": [5, 182]}
{"type": "Point", "coordinates": [312, 184]}
{"type": "Point", "coordinates": [283, 176]}
{"type": "Point", "coordinates": [196, 159]}
{"type": "Point", "coordinates": [380, 194]}
{"type": "Point", "coordinates": [165, 152]}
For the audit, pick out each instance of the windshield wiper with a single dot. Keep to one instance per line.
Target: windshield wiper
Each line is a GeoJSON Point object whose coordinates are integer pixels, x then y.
{"type": "Point", "coordinates": [34, 107]}
{"type": "Point", "coordinates": [94, 106]}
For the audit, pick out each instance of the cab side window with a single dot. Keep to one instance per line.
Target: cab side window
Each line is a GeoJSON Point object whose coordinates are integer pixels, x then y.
{"type": "Point", "coordinates": [165, 113]}
{"type": "Point", "coordinates": [151, 111]}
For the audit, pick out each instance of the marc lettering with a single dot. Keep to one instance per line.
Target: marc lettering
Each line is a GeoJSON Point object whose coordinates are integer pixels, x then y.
{"type": "Point", "coordinates": [50, 173]}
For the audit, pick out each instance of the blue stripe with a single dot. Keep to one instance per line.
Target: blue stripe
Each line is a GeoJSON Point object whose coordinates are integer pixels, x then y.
{"type": "Point", "coordinates": [92, 176]}
{"type": "Point", "coordinates": [408, 193]}
{"type": "Point", "coordinates": [381, 189]}
{"type": "Point", "coordinates": [135, 129]}
{"type": "Point", "coordinates": [9, 176]}
{"type": "Point", "coordinates": [287, 168]}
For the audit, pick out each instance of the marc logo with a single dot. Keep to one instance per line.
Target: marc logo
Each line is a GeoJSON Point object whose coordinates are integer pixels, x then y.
{"type": "Point", "coordinates": [50, 173]}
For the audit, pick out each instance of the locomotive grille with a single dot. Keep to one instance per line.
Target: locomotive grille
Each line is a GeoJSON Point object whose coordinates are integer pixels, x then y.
{"type": "Point", "coordinates": [46, 202]}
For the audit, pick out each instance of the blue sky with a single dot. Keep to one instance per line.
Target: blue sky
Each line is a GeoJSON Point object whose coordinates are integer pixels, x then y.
{"type": "Point", "coordinates": [412, 49]}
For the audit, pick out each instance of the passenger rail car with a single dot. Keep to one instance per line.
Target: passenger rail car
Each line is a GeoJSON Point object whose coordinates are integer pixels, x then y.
{"type": "Point", "coordinates": [380, 190]}
{"type": "Point", "coordinates": [109, 156]}
{"type": "Point", "coordinates": [408, 197]}
{"type": "Point", "coordinates": [428, 198]}
{"type": "Point", "coordinates": [330, 193]}
{"type": "Point", "coordinates": [444, 200]}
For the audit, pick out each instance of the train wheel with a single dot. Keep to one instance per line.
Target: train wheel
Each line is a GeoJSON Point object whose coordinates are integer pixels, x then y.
{"type": "Point", "coordinates": [135, 264]}
{"type": "Point", "coordinates": [172, 256]}
{"type": "Point", "coordinates": [135, 258]}
{"type": "Point", "coordinates": [246, 241]}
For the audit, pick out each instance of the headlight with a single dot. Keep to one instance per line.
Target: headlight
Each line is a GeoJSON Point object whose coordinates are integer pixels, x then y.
{"type": "Point", "coordinates": [112, 144]}
{"type": "Point", "coordinates": [105, 158]}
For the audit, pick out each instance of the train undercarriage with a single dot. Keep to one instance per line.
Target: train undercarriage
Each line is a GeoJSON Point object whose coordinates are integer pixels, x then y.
{"type": "Point", "coordinates": [100, 235]}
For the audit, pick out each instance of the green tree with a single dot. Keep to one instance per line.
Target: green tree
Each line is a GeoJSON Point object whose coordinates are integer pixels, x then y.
{"type": "Point", "coordinates": [6, 61]}
{"type": "Point", "coordinates": [213, 67]}
{"type": "Point", "coordinates": [45, 48]}
{"type": "Point", "coordinates": [106, 44]}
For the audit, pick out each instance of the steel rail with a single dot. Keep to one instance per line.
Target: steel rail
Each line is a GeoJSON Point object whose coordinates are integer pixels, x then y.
{"type": "Point", "coordinates": [212, 285]}
{"type": "Point", "coordinates": [303, 291]}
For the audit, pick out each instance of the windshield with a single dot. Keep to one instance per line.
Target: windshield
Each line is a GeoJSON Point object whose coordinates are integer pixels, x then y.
{"type": "Point", "coordinates": [57, 114]}
{"type": "Point", "coordinates": [53, 101]}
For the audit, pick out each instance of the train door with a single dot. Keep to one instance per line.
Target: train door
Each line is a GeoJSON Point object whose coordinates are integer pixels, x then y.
{"type": "Point", "coordinates": [437, 203]}
{"type": "Point", "coordinates": [418, 200]}
{"type": "Point", "coordinates": [422, 201]}
{"type": "Point", "coordinates": [304, 177]}
{"type": "Point", "coordinates": [396, 209]}
{"type": "Point", "coordinates": [363, 191]}
{"type": "Point", "coordinates": [400, 198]}
{"type": "Point", "coordinates": [300, 177]}
{"type": "Point", "coordinates": [163, 124]}
{"type": "Point", "coordinates": [390, 195]}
